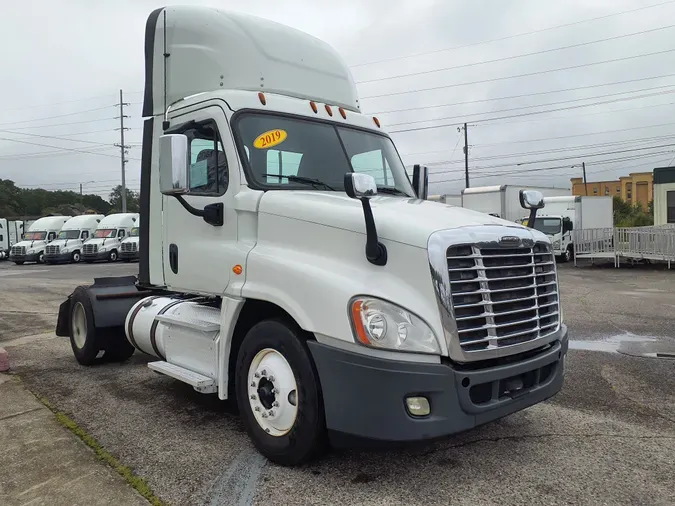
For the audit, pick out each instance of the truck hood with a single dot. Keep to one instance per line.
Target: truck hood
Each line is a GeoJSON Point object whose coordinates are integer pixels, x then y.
{"type": "Point", "coordinates": [104, 242]}
{"type": "Point", "coordinates": [405, 220]}
{"type": "Point", "coordinates": [65, 242]}
{"type": "Point", "coordinates": [31, 244]}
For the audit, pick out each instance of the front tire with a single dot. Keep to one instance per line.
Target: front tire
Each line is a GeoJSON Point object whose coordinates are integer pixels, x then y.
{"type": "Point", "coordinates": [279, 395]}
{"type": "Point", "coordinates": [112, 256]}
{"type": "Point", "coordinates": [568, 256]}
{"type": "Point", "coordinates": [75, 257]}
{"type": "Point", "coordinates": [41, 258]}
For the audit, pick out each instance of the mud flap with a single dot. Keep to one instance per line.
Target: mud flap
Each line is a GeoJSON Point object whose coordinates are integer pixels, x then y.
{"type": "Point", "coordinates": [62, 327]}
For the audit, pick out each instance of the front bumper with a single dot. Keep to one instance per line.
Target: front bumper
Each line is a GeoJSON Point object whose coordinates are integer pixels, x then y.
{"type": "Point", "coordinates": [100, 255]}
{"type": "Point", "coordinates": [33, 257]}
{"type": "Point", "coordinates": [61, 257]}
{"type": "Point", "coordinates": [128, 255]}
{"type": "Point", "coordinates": [364, 397]}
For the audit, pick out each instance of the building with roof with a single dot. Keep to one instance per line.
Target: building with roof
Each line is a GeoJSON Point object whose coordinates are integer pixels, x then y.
{"type": "Point", "coordinates": [633, 188]}
{"type": "Point", "coordinates": [664, 195]}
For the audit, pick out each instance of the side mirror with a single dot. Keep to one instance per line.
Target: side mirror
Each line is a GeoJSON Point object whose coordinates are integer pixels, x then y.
{"type": "Point", "coordinates": [531, 199]}
{"type": "Point", "coordinates": [173, 164]}
{"type": "Point", "coordinates": [420, 181]}
{"type": "Point", "coordinates": [360, 186]}
{"type": "Point", "coordinates": [567, 225]}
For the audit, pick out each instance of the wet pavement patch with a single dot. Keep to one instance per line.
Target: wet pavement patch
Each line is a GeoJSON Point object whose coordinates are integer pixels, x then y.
{"type": "Point", "coordinates": [629, 344]}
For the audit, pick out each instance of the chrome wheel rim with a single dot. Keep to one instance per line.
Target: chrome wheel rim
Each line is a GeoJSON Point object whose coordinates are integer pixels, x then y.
{"type": "Point", "coordinates": [79, 325]}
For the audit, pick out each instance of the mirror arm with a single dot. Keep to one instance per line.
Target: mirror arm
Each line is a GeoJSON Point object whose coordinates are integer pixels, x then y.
{"type": "Point", "coordinates": [376, 252]}
{"type": "Point", "coordinates": [533, 216]}
{"type": "Point", "coordinates": [213, 214]}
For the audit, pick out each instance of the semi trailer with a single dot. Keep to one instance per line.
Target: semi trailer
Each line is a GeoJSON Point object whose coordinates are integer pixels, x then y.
{"type": "Point", "coordinates": [287, 261]}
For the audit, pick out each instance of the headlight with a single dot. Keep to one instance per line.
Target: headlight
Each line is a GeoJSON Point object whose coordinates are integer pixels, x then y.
{"type": "Point", "coordinates": [381, 324]}
{"type": "Point", "coordinates": [556, 244]}
{"type": "Point", "coordinates": [30, 251]}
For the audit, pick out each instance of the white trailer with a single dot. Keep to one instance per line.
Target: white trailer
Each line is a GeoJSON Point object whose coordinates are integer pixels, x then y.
{"type": "Point", "coordinates": [562, 215]}
{"type": "Point", "coordinates": [502, 200]}
{"type": "Point", "coordinates": [288, 262]}
{"type": "Point", "coordinates": [68, 244]}
{"type": "Point", "coordinates": [10, 234]}
{"type": "Point", "coordinates": [107, 239]}
{"type": "Point", "coordinates": [32, 247]}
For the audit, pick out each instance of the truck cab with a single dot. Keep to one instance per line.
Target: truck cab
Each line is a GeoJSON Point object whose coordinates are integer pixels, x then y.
{"type": "Point", "coordinates": [559, 229]}
{"type": "Point", "coordinates": [129, 246]}
{"type": "Point", "coordinates": [40, 233]}
{"type": "Point", "coordinates": [4, 239]}
{"type": "Point", "coordinates": [105, 243]}
{"type": "Point", "coordinates": [288, 261]}
{"type": "Point", "coordinates": [68, 244]}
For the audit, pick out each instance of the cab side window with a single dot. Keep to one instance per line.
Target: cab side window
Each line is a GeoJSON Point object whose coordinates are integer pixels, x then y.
{"type": "Point", "coordinates": [51, 236]}
{"type": "Point", "coordinates": [120, 233]}
{"type": "Point", "coordinates": [85, 235]}
{"type": "Point", "coordinates": [208, 172]}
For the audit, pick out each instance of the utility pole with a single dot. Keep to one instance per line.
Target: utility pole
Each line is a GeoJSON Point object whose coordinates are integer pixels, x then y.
{"type": "Point", "coordinates": [123, 150]}
{"type": "Point", "coordinates": [466, 156]}
{"type": "Point", "coordinates": [583, 166]}
{"type": "Point", "coordinates": [80, 188]}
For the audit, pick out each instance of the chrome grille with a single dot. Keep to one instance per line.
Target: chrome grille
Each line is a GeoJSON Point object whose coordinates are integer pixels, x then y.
{"type": "Point", "coordinates": [18, 250]}
{"type": "Point", "coordinates": [503, 296]}
{"type": "Point", "coordinates": [129, 247]}
{"type": "Point", "coordinates": [52, 250]}
{"type": "Point", "coordinates": [89, 249]}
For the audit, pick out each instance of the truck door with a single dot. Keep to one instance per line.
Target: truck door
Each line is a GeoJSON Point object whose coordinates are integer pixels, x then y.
{"type": "Point", "coordinates": [195, 252]}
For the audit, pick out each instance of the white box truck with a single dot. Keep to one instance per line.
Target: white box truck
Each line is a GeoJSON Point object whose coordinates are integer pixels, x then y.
{"type": "Point", "coordinates": [563, 215]}
{"type": "Point", "coordinates": [68, 244]}
{"type": "Point", "coordinates": [10, 233]}
{"type": "Point", "coordinates": [502, 201]}
{"type": "Point", "coordinates": [129, 246]}
{"type": "Point", "coordinates": [32, 247]}
{"type": "Point", "coordinates": [281, 268]}
{"type": "Point", "coordinates": [108, 236]}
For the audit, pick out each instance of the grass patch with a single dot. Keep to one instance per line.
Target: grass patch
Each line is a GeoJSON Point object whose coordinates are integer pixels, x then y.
{"type": "Point", "coordinates": [138, 483]}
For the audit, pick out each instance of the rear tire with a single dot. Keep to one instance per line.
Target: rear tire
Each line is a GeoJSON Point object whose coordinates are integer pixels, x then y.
{"type": "Point", "coordinates": [83, 338]}
{"type": "Point", "coordinates": [278, 354]}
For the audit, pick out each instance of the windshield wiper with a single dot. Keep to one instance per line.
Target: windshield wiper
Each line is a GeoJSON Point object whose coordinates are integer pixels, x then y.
{"type": "Point", "coordinates": [300, 179]}
{"type": "Point", "coordinates": [391, 190]}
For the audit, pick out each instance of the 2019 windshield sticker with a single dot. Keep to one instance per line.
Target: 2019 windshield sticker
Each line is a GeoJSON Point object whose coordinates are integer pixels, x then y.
{"type": "Point", "coordinates": [270, 138]}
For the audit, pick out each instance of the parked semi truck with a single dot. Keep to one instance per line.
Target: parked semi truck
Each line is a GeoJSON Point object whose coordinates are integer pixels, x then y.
{"type": "Point", "coordinates": [288, 261]}
{"type": "Point", "coordinates": [563, 215]}
{"type": "Point", "coordinates": [107, 239]}
{"type": "Point", "coordinates": [129, 245]}
{"type": "Point", "coordinates": [68, 244]}
{"type": "Point", "coordinates": [32, 247]}
{"type": "Point", "coordinates": [502, 201]}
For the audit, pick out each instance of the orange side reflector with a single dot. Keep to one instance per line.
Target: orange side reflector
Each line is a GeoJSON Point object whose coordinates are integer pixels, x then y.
{"type": "Point", "coordinates": [262, 98]}
{"type": "Point", "coordinates": [329, 110]}
{"type": "Point", "coordinates": [358, 322]}
{"type": "Point", "coordinates": [313, 106]}
{"type": "Point", "coordinates": [342, 113]}
{"type": "Point", "coordinates": [237, 269]}
{"type": "Point", "coordinates": [377, 121]}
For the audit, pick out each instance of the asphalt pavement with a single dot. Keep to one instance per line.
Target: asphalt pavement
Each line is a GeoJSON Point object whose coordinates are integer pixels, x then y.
{"type": "Point", "coordinates": [607, 438]}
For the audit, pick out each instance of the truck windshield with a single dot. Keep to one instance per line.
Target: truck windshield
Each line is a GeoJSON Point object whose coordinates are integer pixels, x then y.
{"type": "Point", "coordinates": [104, 233]}
{"type": "Point", "coordinates": [134, 232]}
{"type": "Point", "coordinates": [35, 236]}
{"type": "Point", "coordinates": [276, 147]}
{"type": "Point", "coordinates": [68, 234]}
{"type": "Point", "coordinates": [549, 226]}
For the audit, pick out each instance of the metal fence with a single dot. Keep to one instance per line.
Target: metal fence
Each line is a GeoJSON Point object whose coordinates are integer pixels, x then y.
{"type": "Point", "coordinates": [638, 243]}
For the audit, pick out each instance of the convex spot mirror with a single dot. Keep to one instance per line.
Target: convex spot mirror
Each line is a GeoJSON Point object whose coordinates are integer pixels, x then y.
{"type": "Point", "coordinates": [173, 164]}
{"type": "Point", "coordinates": [359, 186]}
{"type": "Point", "coordinates": [531, 199]}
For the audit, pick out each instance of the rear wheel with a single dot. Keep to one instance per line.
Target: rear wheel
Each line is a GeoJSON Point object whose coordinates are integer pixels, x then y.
{"type": "Point", "coordinates": [83, 339]}
{"type": "Point", "coordinates": [278, 394]}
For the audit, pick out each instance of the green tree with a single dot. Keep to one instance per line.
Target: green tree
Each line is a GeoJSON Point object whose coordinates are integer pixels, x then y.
{"type": "Point", "coordinates": [133, 200]}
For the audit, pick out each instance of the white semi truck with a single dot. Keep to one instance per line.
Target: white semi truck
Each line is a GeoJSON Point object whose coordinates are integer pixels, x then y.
{"type": "Point", "coordinates": [288, 262]}
{"type": "Point", "coordinates": [32, 246]}
{"type": "Point", "coordinates": [68, 244]}
{"type": "Point", "coordinates": [129, 246]}
{"type": "Point", "coordinates": [108, 236]}
{"type": "Point", "coordinates": [563, 215]}
{"type": "Point", "coordinates": [502, 201]}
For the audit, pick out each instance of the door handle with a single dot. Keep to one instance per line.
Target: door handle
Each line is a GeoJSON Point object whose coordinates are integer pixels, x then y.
{"type": "Point", "coordinates": [173, 258]}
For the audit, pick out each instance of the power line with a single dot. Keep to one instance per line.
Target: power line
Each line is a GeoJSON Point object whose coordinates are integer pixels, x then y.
{"type": "Point", "coordinates": [514, 57]}
{"type": "Point", "coordinates": [437, 106]}
{"type": "Point", "coordinates": [57, 116]}
{"type": "Point", "coordinates": [622, 99]}
{"type": "Point", "coordinates": [514, 35]}
{"type": "Point", "coordinates": [55, 137]}
{"type": "Point", "coordinates": [47, 154]}
{"type": "Point", "coordinates": [415, 129]}
{"type": "Point", "coordinates": [529, 74]}
{"type": "Point", "coordinates": [63, 124]}
{"type": "Point", "coordinates": [60, 148]}
{"type": "Point", "coordinates": [44, 106]}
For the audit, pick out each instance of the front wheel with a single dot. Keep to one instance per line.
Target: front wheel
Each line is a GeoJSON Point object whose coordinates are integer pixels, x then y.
{"type": "Point", "coordinates": [75, 257]}
{"type": "Point", "coordinates": [41, 258]}
{"type": "Point", "coordinates": [569, 254]}
{"type": "Point", "coordinates": [112, 256]}
{"type": "Point", "coordinates": [278, 394]}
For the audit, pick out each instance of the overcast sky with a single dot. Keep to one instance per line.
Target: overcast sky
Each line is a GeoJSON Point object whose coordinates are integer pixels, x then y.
{"type": "Point", "coordinates": [64, 61]}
